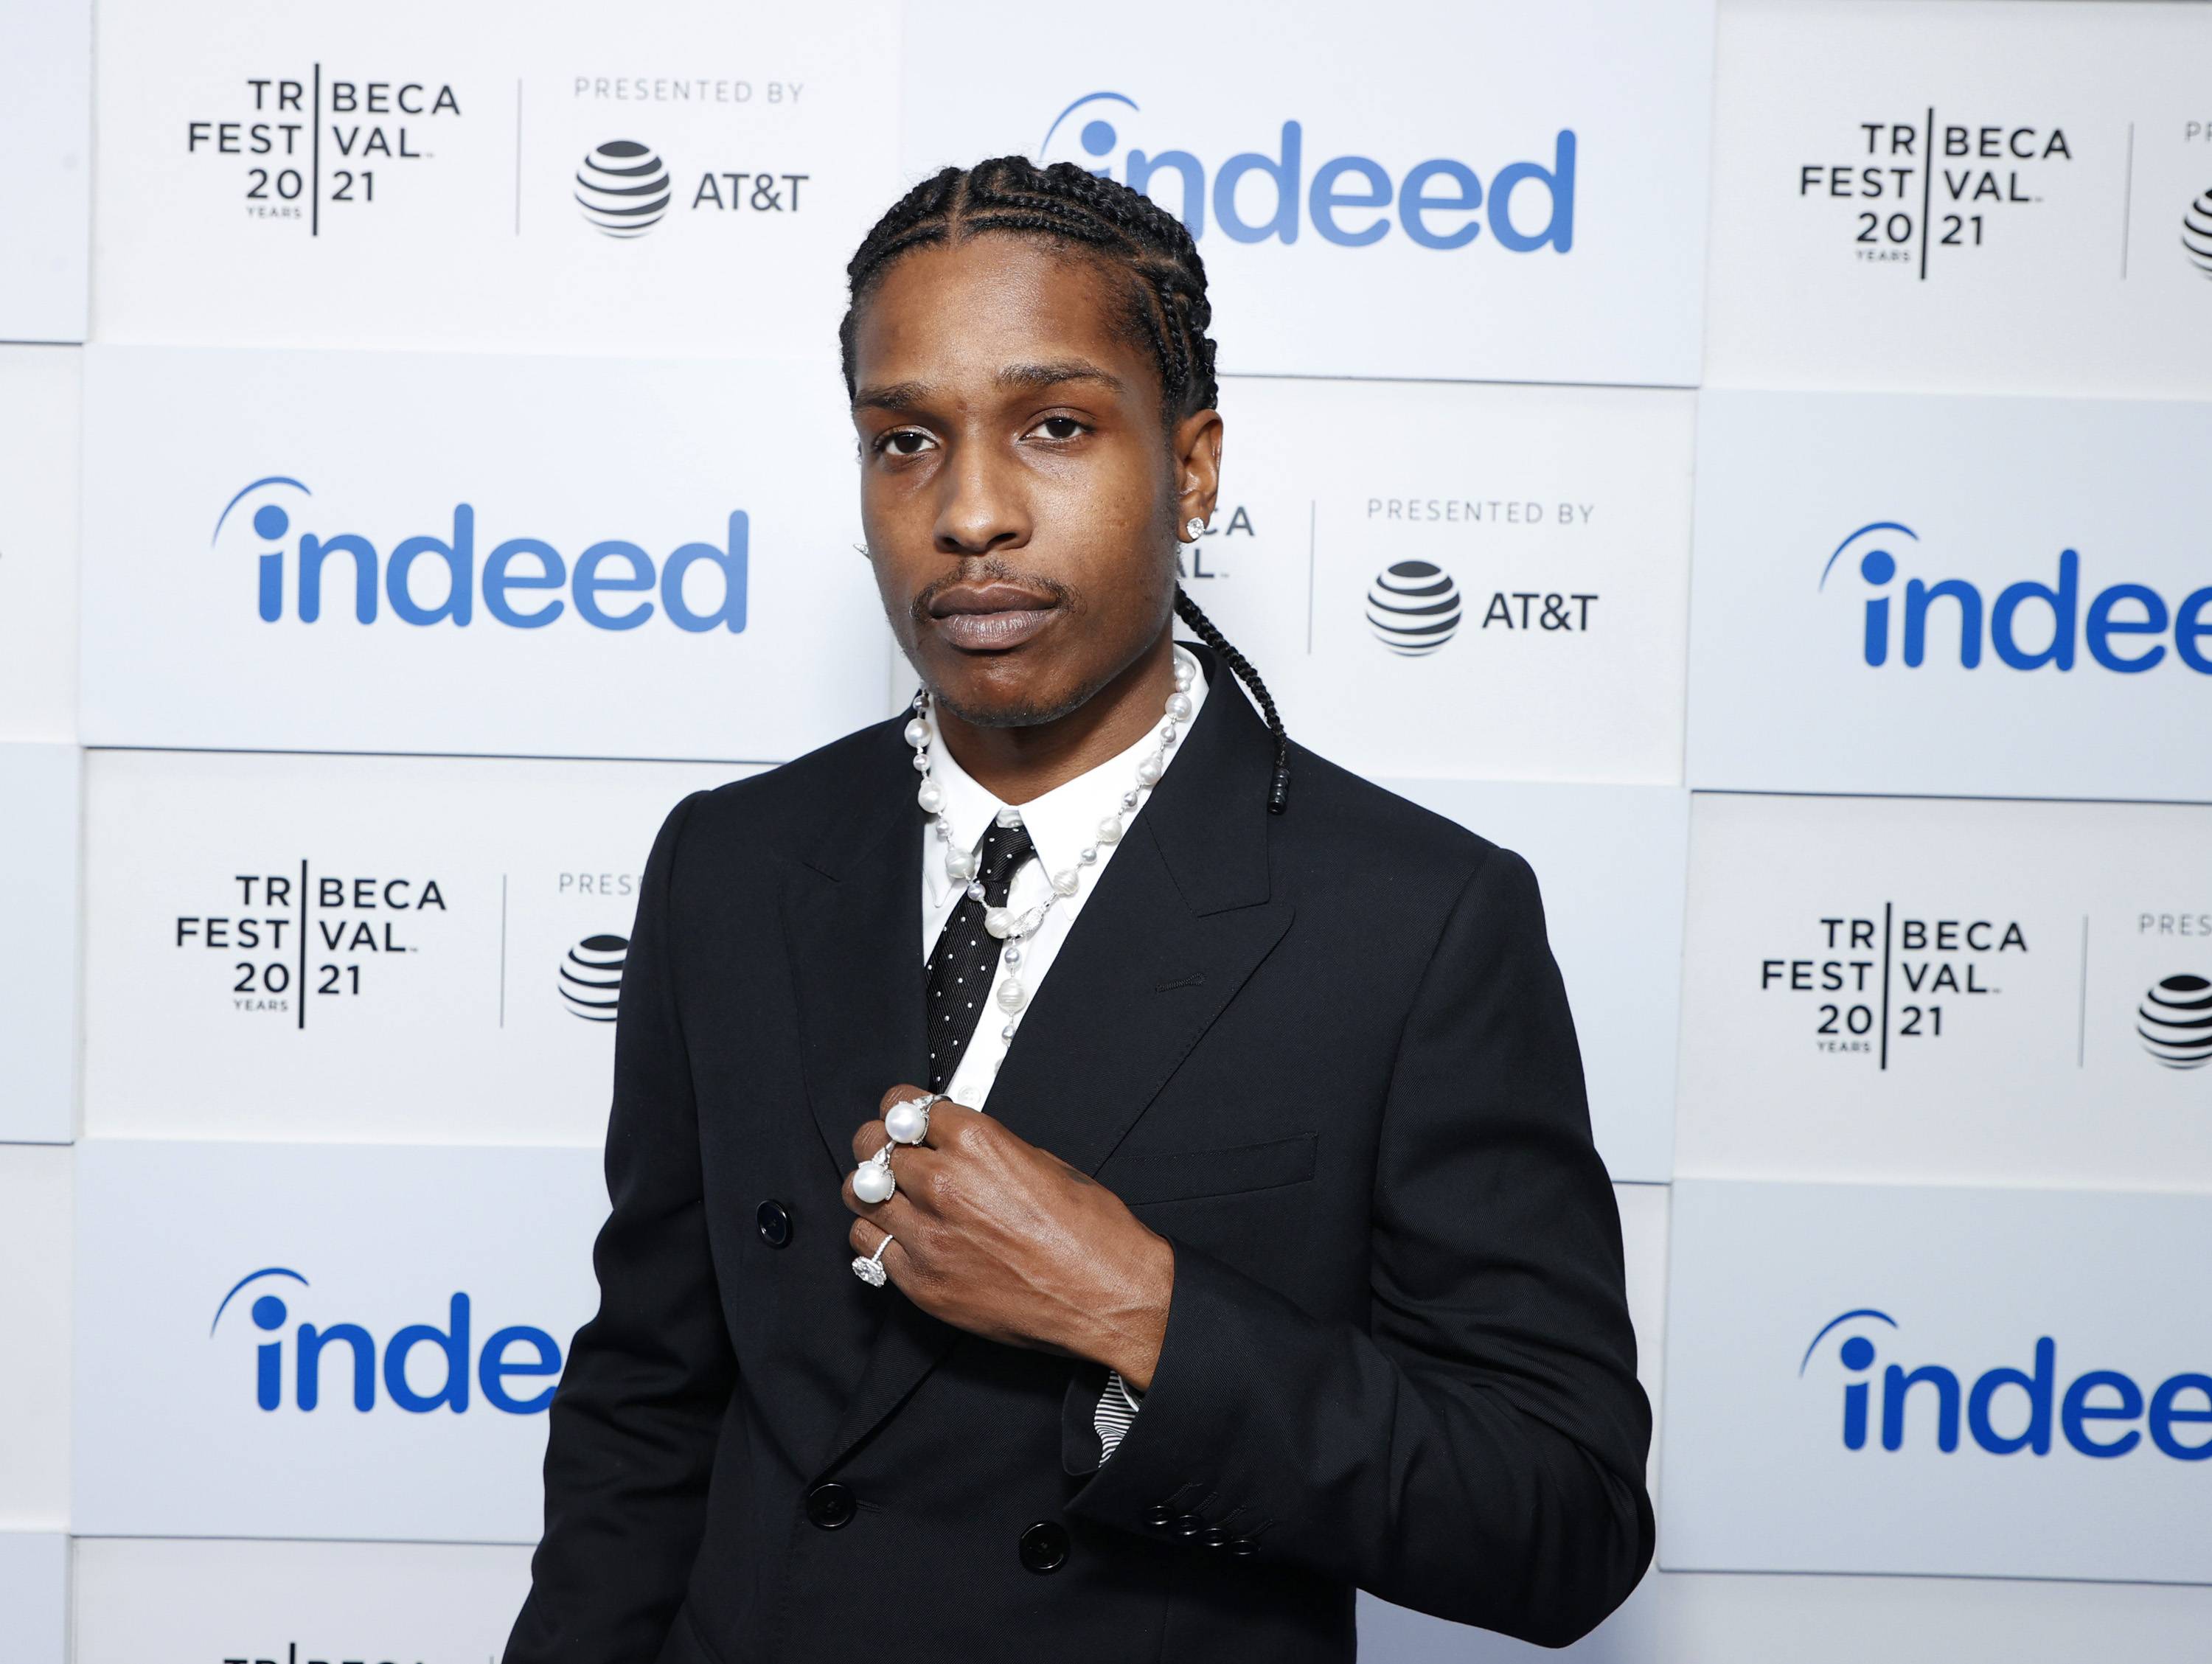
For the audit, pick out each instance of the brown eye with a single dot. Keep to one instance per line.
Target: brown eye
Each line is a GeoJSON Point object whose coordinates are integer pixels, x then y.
{"type": "Point", "coordinates": [903, 442]}
{"type": "Point", "coordinates": [1060, 427]}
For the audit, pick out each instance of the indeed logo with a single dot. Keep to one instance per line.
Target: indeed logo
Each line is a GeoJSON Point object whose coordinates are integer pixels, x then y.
{"type": "Point", "coordinates": [2031, 624]}
{"type": "Point", "coordinates": [1255, 196]}
{"type": "Point", "coordinates": [517, 1352]}
{"type": "Point", "coordinates": [523, 582]}
{"type": "Point", "coordinates": [2009, 1409]}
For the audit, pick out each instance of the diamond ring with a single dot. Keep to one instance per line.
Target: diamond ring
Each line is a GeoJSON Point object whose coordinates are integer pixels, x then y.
{"type": "Point", "coordinates": [869, 1267]}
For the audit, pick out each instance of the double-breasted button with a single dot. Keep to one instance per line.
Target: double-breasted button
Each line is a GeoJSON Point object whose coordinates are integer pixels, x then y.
{"type": "Point", "coordinates": [1044, 1545]}
{"type": "Point", "coordinates": [773, 1220]}
{"type": "Point", "coordinates": [831, 1505]}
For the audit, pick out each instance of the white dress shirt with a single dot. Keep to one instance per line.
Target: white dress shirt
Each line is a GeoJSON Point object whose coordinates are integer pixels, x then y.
{"type": "Point", "coordinates": [1061, 823]}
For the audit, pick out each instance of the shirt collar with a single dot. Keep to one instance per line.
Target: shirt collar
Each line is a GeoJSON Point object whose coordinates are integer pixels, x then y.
{"type": "Point", "coordinates": [1061, 822]}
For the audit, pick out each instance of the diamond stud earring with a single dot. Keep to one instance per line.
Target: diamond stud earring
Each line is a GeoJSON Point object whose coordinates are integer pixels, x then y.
{"type": "Point", "coordinates": [1194, 528]}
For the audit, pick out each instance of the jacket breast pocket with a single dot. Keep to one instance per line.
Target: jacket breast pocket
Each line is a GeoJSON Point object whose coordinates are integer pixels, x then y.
{"type": "Point", "coordinates": [1188, 1175]}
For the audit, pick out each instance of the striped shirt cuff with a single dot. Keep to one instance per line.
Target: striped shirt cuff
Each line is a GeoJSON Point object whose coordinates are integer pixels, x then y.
{"type": "Point", "coordinates": [1117, 1408]}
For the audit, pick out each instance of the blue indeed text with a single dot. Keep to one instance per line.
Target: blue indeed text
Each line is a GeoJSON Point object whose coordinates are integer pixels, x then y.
{"type": "Point", "coordinates": [2125, 627]}
{"type": "Point", "coordinates": [2102, 1413]}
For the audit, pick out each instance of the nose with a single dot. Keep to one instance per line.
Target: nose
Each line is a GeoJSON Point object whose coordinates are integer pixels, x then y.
{"type": "Point", "coordinates": [981, 507]}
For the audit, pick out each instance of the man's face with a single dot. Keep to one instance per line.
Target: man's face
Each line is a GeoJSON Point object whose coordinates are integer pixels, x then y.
{"type": "Point", "coordinates": [1019, 497]}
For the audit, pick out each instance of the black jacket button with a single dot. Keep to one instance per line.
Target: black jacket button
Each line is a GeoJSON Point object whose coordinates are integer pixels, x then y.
{"type": "Point", "coordinates": [1243, 1548]}
{"type": "Point", "coordinates": [1044, 1545]}
{"type": "Point", "coordinates": [1214, 1536]}
{"type": "Point", "coordinates": [831, 1505]}
{"type": "Point", "coordinates": [1161, 1518]}
{"type": "Point", "coordinates": [773, 1220]}
{"type": "Point", "coordinates": [1188, 1524]}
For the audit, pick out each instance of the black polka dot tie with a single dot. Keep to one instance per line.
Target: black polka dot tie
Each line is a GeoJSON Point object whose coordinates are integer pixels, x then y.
{"type": "Point", "coordinates": [966, 957]}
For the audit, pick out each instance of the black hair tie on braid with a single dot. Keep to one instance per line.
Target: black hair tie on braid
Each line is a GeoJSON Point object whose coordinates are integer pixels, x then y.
{"type": "Point", "coordinates": [1166, 306]}
{"type": "Point", "coordinates": [1278, 788]}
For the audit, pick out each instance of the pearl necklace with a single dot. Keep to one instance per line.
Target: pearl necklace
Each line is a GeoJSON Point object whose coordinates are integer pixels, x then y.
{"type": "Point", "coordinates": [963, 865]}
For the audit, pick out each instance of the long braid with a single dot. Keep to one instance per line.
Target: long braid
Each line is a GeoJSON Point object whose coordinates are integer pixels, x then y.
{"type": "Point", "coordinates": [1278, 788]}
{"type": "Point", "coordinates": [1166, 306]}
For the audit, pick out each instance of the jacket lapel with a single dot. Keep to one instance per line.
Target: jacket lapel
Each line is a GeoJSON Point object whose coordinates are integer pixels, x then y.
{"type": "Point", "coordinates": [1178, 922]}
{"type": "Point", "coordinates": [854, 917]}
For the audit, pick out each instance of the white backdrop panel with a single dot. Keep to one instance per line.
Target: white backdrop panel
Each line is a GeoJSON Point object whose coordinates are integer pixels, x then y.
{"type": "Point", "coordinates": [1551, 523]}
{"type": "Point", "coordinates": [2059, 1430]}
{"type": "Point", "coordinates": [45, 191]}
{"type": "Point", "coordinates": [202, 1266]}
{"type": "Point", "coordinates": [41, 396]}
{"type": "Point", "coordinates": [288, 1603]}
{"type": "Point", "coordinates": [400, 175]}
{"type": "Point", "coordinates": [34, 1316]}
{"type": "Point", "coordinates": [373, 949]}
{"type": "Point", "coordinates": [1715, 1617]}
{"type": "Point", "coordinates": [33, 1597]}
{"type": "Point", "coordinates": [657, 556]}
{"type": "Point", "coordinates": [39, 829]}
{"type": "Point", "coordinates": [1611, 861]}
{"type": "Point", "coordinates": [1962, 196]}
{"type": "Point", "coordinates": [1886, 987]}
{"type": "Point", "coordinates": [1487, 191]}
{"type": "Point", "coordinates": [2042, 560]}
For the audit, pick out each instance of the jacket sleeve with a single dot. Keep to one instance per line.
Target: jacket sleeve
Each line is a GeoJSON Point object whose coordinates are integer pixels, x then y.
{"type": "Point", "coordinates": [635, 1418]}
{"type": "Point", "coordinates": [1477, 1450]}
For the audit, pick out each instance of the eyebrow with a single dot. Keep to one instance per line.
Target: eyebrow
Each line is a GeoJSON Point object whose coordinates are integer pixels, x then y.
{"type": "Point", "coordinates": [1027, 378]}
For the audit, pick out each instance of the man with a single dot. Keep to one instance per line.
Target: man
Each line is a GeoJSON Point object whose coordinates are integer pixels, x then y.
{"type": "Point", "coordinates": [1281, 1262]}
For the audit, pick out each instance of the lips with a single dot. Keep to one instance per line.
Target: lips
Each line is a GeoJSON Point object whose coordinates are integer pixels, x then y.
{"type": "Point", "coordinates": [989, 617]}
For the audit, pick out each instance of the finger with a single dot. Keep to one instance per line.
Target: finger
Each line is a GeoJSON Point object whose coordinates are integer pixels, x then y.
{"type": "Point", "coordinates": [899, 1095]}
{"type": "Point", "coordinates": [899, 1203]}
{"type": "Point", "coordinates": [865, 1237]}
{"type": "Point", "coordinates": [868, 1139]}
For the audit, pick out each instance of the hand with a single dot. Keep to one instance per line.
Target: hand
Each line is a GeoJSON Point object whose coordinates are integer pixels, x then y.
{"type": "Point", "coordinates": [1008, 1241]}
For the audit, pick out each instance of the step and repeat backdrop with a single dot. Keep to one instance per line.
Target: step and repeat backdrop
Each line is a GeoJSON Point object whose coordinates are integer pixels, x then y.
{"type": "Point", "coordinates": [1807, 406]}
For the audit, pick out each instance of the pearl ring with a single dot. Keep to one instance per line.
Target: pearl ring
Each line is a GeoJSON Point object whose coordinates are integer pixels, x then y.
{"type": "Point", "coordinates": [869, 1267]}
{"type": "Point", "coordinates": [909, 1122]}
{"type": "Point", "coordinates": [873, 1180]}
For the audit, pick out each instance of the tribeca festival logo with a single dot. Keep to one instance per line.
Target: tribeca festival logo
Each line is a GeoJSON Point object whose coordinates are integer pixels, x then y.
{"type": "Point", "coordinates": [287, 940]}
{"type": "Point", "coordinates": [1868, 982]}
{"type": "Point", "coordinates": [1924, 185]}
{"type": "Point", "coordinates": [2102, 1413]}
{"type": "Point", "coordinates": [2031, 624]}
{"type": "Point", "coordinates": [1353, 201]}
{"type": "Point", "coordinates": [299, 144]}
{"type": "Point", "coordinates": [520, 1353]}
{"type": "Point", "coordinates": [427, 579]}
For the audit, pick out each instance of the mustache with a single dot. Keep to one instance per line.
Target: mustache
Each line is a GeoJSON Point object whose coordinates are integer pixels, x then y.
{"type": "Point", "coordinates": [992, 569]}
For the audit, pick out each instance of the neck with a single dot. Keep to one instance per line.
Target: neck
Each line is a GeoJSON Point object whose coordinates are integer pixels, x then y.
{"type": "Point", "coordinates": [1016, 764]}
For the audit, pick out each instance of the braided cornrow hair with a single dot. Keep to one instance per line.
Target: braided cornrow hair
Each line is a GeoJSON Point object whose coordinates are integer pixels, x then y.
{"type": "Point", "coordinates": [1167, 306]}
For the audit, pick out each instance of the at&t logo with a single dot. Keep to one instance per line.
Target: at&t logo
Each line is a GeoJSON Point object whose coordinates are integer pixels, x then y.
{"type": "Point", "coordinates": [2101, 1413]}
{"type": "Point", "coordinates": [2029, 625]}
{"type": "Point", "coordinates": [523, 582]}
{"type": "Point", "coordinates": [1353, 201]}
{"type": "Point", "coordinates": [508, 1370]}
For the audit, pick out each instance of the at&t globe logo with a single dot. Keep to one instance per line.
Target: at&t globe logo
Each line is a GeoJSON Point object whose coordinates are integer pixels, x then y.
{"type": "Point", "coordinates": [2175, 1021]}
{"type": "Point", "coordinates": [1414, 608]}
{"type": "Point", "coordinates": [622, 188]}
{"type": "Point", "coordinates": [591, 977]}
{"type": "Point", "coordinates": [2197, 234]}
{"type": "Point", "coordinates": [1353, 201]}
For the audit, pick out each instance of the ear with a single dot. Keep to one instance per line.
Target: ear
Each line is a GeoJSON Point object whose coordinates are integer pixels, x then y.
{"type": "Point", "coordinates": [1196, 446]}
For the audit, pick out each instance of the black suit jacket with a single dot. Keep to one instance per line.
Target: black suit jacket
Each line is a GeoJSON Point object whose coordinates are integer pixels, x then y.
{"type": "Point", "coordinates": [1326, 1053]}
